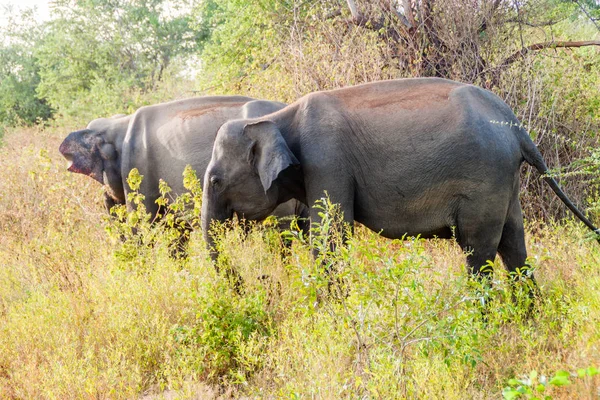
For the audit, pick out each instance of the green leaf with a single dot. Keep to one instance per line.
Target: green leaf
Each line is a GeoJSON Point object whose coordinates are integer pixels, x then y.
{"type": "Point", "coordinates": [561, 378]}
{"type": "Point", "coordinates": [509, 393]}
{"type": "Point", "coordinates": [540, 388]}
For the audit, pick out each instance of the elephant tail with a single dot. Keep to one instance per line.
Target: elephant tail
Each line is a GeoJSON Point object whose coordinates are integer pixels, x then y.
{"type": "Point", "coordinates": [532, 155]}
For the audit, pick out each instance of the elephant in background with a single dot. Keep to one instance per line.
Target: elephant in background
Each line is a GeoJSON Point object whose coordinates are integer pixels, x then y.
{"type": "Point", "coordinates": [159, 140]}
{"type": "Point", "coordinates": [425, 156]}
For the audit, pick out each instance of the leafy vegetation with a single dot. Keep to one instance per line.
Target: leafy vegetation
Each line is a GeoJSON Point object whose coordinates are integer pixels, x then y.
{"type": "Point", "coordinates": [19, 74]}
{"type": "Point", "coordinates": [95, 306]}
{"type": "Point", "coordinates": [86, 314]}
{"type": "Point", "coordinates": [100, 58]}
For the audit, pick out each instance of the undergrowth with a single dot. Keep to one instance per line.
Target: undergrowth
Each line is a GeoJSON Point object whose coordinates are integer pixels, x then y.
{"type": "Point", "coordinates": [95, 306]}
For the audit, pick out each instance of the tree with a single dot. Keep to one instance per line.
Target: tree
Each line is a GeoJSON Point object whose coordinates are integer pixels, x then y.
{"type": "Point", "coordinates": [19, 72]}
{"type": "Point", "coordinates": [107, 50]}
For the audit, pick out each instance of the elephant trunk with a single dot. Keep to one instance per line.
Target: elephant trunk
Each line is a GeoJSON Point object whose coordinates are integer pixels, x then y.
{"type": "Point", "coordinates": [212, 212]}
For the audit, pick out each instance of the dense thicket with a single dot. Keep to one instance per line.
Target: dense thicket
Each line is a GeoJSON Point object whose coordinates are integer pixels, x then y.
{"type": "Point", "coordinates": [95, 58]}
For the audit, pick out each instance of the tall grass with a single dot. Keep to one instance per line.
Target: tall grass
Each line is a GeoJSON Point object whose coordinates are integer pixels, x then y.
{"type": "Point", "coordinates": [83, 315]}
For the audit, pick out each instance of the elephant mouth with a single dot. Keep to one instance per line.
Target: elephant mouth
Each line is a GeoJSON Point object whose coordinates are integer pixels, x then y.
{"type": "Point", "coordinates": [69, 158]}
{"type": "Point", "coordinates": [66, 153]}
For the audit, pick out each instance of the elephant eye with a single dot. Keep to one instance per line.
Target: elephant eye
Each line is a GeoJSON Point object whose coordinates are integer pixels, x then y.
{"type": "Point", "coordinates": [214, 181]}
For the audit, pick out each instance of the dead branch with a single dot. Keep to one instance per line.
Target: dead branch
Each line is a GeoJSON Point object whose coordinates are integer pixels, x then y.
{"type": "Point", "coordinates": [488, 17]}
{"type": "Point", "coordinates": [353, 10]}
{"type": "Point", "coordinates": [534, 24]}
{"type": "Point", "coordinates": [389, 9]}
{"type": "Point", "coordinates": [546, 45]}
{"type": "Point", "coordinates": [409, 15]}
{"type": "Point", "coordinates": [333, 14]}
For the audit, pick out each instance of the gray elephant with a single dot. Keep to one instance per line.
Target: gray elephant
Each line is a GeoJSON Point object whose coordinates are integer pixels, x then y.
{"type": "Point", "coordinates": [159, 140]}
{"type": "Point", "coordinates": [426, 156]}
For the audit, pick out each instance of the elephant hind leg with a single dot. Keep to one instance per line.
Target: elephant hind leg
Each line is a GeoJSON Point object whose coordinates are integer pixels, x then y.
{"type": "Point", "coordinates": [512, 244]}
{"type": "Point", "coordinates": [479, 239]}
{"type": "Point", "coordinates": [480, 253]}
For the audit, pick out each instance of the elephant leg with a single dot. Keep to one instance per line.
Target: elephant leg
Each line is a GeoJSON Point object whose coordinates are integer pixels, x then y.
{"type": "Point", "coordinates": [479, 238]}
{"type": "Point", "coordinates": [109, 202]}
{"type": "Point", "coordinates": [512, 246]}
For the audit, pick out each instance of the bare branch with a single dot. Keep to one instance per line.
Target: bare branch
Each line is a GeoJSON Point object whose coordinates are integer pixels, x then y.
{"type": "Point", "coordinates": [534, 24]}
{"type": "Point", "coordinates": [333, 14]}
{"type": "Point", "coordinates": [388, 8]}
{"type": "Point", "coordinates": [587, 14]}
{"type": "Point", "coordinates": [427, 19]}
{"type": "Point", "coordinates": [488, 17]}
{"type": "Point", "coordinates": [546, 45]}
{"type": "Point", "coordinates": [353, 10]}
{"type": "Point", "coordinates": [408, 12]}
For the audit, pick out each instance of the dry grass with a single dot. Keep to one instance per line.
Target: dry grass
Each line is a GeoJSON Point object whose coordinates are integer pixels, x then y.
{"type": "Point", "coordinates": [80, 320]}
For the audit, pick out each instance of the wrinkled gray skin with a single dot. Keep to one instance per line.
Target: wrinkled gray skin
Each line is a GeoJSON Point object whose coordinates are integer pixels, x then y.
{"type": "Point", "coordinates": [159, 141]}
{"type": "Point", "coordinates": [410, 156]}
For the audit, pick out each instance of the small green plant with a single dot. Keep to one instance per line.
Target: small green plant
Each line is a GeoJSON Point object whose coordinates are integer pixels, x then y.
{"type": "Point", "coordinates": [225, 339]}
{"type": "Point", "coordinates": [139, 231]}
{"type": "Point", "coordinates": [536, 387]}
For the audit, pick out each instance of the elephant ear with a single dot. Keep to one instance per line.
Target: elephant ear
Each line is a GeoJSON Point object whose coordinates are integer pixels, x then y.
{"type": "Point", "coordinates": [82, 150]}
{"type": "Point", "coordinates": [268, 152]}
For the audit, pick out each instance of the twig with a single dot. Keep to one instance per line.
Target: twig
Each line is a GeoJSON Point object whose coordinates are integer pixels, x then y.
{"type": "Point", "coordinates": [587, 14]}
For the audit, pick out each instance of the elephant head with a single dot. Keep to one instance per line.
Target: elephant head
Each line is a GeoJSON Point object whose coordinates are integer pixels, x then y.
{"type": "Point", "coordinates": [245, 174]}
{"type": "Point", "coordinates": [95, 152]}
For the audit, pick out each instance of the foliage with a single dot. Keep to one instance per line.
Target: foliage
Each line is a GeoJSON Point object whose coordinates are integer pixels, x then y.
{"type": "Point", "coordinates": [84, 314]}
{"type": "Point", "coordinates": [99, 54]}
{"type": "Point", "coordinates": [587, 170]}
{"type": "Point", "coordinates": [536, 388]}
{"type": "Point", "coordinates": [243, 41]}
{"type": "Point", "coordinates": [138, 231]}
{"type": "Point", "coordinates": [94, 58]}
{"type": "Point", "coordinates": [19, 72]}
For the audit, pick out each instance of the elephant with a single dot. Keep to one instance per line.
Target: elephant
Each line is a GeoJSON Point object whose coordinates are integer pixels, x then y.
{"type": "Point", "coordinates": [159, 140]}
{"type": "Point", "coordinates": [424, 157]}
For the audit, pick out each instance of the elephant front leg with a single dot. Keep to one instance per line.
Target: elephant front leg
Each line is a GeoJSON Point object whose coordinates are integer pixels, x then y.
{"type": "Point", "coordinates": [109, 202]}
